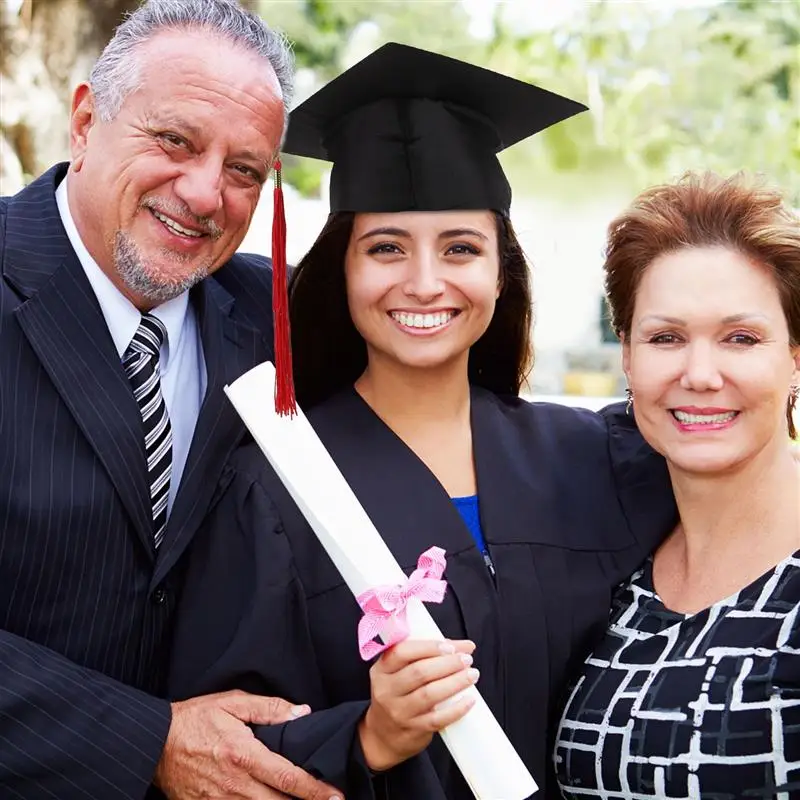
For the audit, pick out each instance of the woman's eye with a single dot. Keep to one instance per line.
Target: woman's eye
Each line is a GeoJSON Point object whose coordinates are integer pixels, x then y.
{"type": "Point", "coordinates": [383, 247]}
{"type": "Point", "coordinates": [743, 338]}
{"type": "Point", "coordinates": [462, 249]}
{"type": "Point", "coordinates": [664, 338]}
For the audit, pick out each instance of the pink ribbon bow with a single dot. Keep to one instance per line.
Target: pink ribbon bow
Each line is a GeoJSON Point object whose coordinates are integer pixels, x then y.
{"type": "Point", "coordinates": [384, 607]}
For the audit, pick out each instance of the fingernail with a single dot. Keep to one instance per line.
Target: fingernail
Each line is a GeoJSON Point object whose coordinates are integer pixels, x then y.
{"type": "Point", "coordinates": [466, 659]}
{"type": "Point", "coordinates": [473, 674]}
{"type": "Point", "coordinates": [300, 711]}
{"type": "Point", "coordinates": [446, 648]}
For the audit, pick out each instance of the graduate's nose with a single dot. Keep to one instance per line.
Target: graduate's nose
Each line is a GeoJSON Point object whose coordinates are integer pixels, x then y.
{"type": "Point", "coordinates": [424, 280]}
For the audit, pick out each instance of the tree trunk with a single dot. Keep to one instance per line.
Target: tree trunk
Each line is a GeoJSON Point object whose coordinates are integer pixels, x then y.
{"type": "Point", "coordinates": [46, 49]}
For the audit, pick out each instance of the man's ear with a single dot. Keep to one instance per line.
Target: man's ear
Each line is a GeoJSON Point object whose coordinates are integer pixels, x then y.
{"type": "Point", "coordinates": [82, 118]}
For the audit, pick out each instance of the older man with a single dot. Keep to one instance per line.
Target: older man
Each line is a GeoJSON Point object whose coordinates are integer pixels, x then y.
{"type": "Point", "coordinates": [124, 310]}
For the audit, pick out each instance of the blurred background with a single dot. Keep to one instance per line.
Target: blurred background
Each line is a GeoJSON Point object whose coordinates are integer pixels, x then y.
{"type": "Point", "coordinates": [671, 85]}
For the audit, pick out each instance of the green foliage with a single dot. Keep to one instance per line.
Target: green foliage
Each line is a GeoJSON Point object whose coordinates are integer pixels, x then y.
{"type": "Point", "coordinates": [304, 175]}
{"type": "Point", "coordinates": [325, 32]}
{"type": "Point", "coordinates": [319, 29]}
{"type": "Point", "coordinates": [715, 88]}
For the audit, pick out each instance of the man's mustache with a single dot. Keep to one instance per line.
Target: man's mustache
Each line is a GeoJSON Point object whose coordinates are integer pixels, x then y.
{"type": "Point", "coordinates": [179, 211]}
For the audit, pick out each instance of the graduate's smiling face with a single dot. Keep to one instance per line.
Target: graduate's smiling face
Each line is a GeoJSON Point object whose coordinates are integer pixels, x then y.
{"type": "Point", "coordinates": [422, 286]}
{"type": "Point", "coordinates": [709, 359]}
{"type": "Point", "coordinates": [163, 190]}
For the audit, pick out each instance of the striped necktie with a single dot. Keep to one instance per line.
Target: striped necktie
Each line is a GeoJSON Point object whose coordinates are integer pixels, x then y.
{"type": "Point", "coordinates": [141, 366]}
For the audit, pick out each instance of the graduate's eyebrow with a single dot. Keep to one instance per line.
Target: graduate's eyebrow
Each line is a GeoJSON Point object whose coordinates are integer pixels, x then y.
{"type": "Point", "coordinates": [401, 232]}
{"type": "Point", "coordinates": [386, 231]}
{"type": "Point", "coordinates": [455, 232]}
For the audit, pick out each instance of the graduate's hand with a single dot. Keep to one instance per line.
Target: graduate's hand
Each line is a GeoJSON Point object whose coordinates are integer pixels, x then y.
{"type": "Point", "coordinates": [410, 683]}
{"type": "Point", "coordinates": [211, 752]}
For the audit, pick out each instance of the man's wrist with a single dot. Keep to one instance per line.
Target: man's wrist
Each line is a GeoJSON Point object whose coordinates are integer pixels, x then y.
{"type": "Point", "coordinates": [161, 766]}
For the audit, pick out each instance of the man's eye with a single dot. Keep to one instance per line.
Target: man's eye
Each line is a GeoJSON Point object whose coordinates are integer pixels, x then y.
{"type": "Point", "coordinates": [173, 139]}
{"type": "Point", "coordinates": [248, 172]}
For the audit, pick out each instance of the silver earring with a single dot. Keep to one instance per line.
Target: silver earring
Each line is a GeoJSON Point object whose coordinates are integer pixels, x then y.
{"type": "Point", "coordinates": [629, 395]}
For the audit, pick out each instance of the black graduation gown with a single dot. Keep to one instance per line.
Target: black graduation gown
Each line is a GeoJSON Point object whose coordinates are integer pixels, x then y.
{"type": "Point", "coordinates": [570, 503]}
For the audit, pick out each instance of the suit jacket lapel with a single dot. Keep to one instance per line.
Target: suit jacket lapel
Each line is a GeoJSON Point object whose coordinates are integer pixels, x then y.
{"type": "Point", "coordinates": [66, 329]}
{"type": "Point", "coordinates": [230, 349]}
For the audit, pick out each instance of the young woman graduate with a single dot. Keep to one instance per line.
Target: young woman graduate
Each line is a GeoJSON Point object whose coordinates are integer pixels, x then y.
{"type": "Point", "coordinates": [411, 319]}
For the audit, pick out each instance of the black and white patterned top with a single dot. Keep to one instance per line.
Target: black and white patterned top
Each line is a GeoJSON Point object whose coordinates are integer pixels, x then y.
{"type": "Point", "coordinates": [693, 706]}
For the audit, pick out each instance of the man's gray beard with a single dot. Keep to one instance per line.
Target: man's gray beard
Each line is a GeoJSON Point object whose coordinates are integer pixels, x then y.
{"type": "Point", "coordinates": [134, 274]}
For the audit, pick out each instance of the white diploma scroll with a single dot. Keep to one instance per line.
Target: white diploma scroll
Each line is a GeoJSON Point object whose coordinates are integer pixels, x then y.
{"type": "Point", "coordinates": [477, 743]}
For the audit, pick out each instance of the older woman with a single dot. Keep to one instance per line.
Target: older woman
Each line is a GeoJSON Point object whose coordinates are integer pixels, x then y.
{"type": "Point", "coordinates": [695, 690]}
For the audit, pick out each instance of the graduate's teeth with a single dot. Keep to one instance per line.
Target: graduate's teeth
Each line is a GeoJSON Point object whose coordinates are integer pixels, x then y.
{"type": "Point", "coordinates": [170, 223]}
{"type": "Point", "coordinates": [436, 320]}
{"type": "Point", "coordinates": [704, 419]}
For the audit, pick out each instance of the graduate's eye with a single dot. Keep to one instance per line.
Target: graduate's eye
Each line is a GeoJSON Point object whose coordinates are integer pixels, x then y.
{"type": "Point", "coordinates": [384, 248]}
{"type": "Point", "coordinates": [463, 249]}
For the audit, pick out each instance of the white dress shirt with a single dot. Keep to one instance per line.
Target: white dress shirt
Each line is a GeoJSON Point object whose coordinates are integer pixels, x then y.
{"type": "Point", "coordinates": [181, 361]}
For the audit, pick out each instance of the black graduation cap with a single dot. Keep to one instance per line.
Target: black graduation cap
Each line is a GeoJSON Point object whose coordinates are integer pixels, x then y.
{"type": "Point", "coordinates": [411, 130]}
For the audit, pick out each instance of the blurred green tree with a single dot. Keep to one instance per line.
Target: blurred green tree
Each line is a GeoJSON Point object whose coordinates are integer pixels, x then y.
{"type": "Point", "coordinates": [715, 86]}
{"type": "Point", "coordinates": [695, 88]}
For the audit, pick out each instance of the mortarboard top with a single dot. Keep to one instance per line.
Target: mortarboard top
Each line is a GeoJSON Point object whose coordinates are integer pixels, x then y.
{"type": "Point", "coordinates": [411, 130]}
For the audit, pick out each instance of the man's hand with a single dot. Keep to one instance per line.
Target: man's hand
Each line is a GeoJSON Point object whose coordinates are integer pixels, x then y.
{"type": "Point", "coordinates": [211, 753]}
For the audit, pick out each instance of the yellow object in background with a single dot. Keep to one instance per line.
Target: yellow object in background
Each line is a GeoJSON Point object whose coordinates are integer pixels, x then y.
{"type": "Point", "coordinates": [590, 384]}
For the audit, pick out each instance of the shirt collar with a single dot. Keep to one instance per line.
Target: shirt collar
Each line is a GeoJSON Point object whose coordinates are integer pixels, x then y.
{"type": "Point", "coordinates": [121, 316]}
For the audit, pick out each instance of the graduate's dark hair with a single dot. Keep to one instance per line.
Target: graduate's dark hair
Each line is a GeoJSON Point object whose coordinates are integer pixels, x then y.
{"type": "Point", "coordinates": [329, 353]}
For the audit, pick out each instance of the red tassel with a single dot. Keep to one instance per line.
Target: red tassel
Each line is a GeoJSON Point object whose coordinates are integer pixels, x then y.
{"type": "Point", "coordinates": [285, 403]}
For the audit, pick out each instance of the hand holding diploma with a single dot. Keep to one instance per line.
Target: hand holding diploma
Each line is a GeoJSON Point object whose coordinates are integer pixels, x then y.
{"type": "Point", "coordinates": [410, 685]}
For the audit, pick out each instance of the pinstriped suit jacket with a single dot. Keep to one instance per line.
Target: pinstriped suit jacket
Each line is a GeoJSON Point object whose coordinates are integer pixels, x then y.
{"type": "Point", "coordinates": [86, 605]}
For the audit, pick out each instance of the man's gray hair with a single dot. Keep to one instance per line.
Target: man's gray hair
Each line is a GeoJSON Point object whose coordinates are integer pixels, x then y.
{"type": "Point", "coordinates": [117, 72]}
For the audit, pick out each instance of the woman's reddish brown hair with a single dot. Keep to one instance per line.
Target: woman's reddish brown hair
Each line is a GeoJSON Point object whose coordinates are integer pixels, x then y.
{"type": "Point", "coordinates": [705, 210]}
